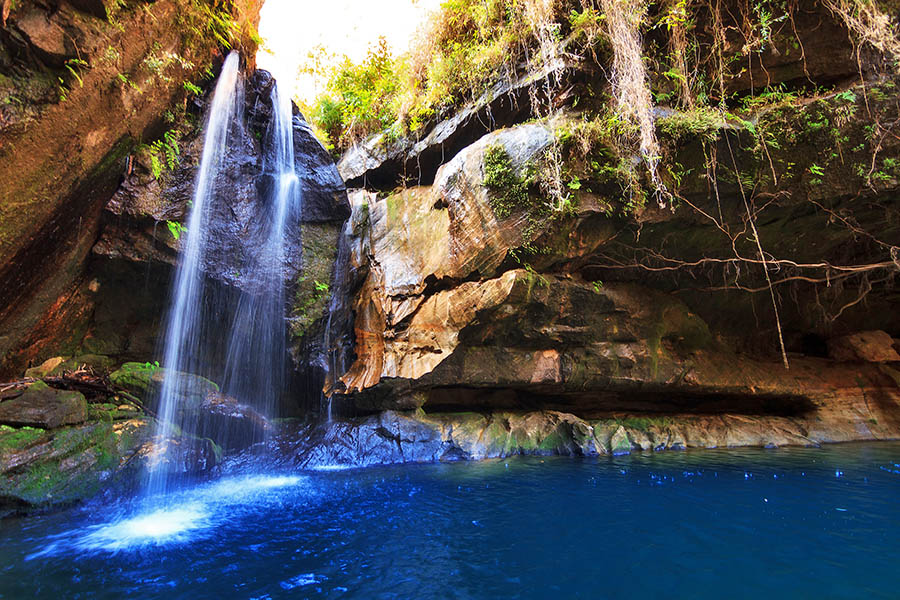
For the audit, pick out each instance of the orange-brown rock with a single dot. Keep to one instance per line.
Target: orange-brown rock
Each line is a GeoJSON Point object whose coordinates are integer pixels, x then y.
{"type": "Point", "coordinates": [97, 88]}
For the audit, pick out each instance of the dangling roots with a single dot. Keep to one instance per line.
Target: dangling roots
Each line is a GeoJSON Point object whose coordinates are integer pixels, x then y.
{"type": "Point", "coordinates": [629, 79]}
{"type": "Point", "coordinates": [872, 26]}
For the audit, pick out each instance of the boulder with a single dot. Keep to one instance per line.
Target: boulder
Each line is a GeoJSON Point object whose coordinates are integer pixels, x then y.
{"type": "Point", "coordinates": [45, 407]}
{"type": "Point", "coordinates": [50, 34]}
{"type": "Point", "coordinates": [46, 368]}
{"type": "Point", "coordinates": [231, 424]}
{"type": "Point", "coordinates": [863, 346]}
{"type": "Point", "coordinates": [40, 468]}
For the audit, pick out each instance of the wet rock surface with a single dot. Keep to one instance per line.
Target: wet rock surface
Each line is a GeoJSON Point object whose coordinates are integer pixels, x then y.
{"type": "Point", "coordinates": [45, 407]}
{"type": "Point", "coordinates": [412, 437]}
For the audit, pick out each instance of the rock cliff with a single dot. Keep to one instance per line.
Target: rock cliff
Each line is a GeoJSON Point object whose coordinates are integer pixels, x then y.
{"type": "Point", "coordinates": [530, 273]}
{"type": "Point", "coordinates": [84, 83]}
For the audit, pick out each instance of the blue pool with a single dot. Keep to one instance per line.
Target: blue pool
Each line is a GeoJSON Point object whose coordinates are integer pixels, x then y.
{"type": "Point", "coordinates": [788, 523]}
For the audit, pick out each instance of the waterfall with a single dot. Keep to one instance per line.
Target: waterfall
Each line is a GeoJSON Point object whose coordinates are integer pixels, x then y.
{"type": "Point", "coordinates": [255, 365]}
{"type": "Point", "coordinates": [334, 353]}
{"type": "Point", "coordinates": [184, 328]}
{"type": "Point", "coordinates": [241, 341]}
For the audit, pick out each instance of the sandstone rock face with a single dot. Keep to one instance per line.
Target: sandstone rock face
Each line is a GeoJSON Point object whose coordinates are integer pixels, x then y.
{"type": "Point", "coordinates": [467, 304]}
{"type": "Point", "coordinates": [865, 346]}
{"type": "Point", "coordinates": [45, 407]}
{"type": "Point", "coordinates": [410, 437]}
{"type": "Point", "coordinates": [65, 139]}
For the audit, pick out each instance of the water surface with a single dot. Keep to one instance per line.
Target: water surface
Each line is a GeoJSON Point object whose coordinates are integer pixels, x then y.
{"type": "Point", "coordinates": [786, 523]}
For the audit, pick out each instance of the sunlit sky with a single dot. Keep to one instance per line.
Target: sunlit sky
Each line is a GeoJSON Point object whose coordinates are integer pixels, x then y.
{"type": "Point", "coordinates": [292, 29]}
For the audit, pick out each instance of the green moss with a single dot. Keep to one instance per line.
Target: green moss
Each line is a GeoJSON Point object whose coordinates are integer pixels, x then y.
{"type": "Point", "coordinates": [701, 123]}
{"type": "Point", "coordinates": [553, 442]}
{"type": "Point", "coordinates": [509, 191]}
{"type": "Point", "coordinates": [135, 377]}
{"type": "Point", "coordinates": [643, 423]}
{"type": "Point", "coordinates": [312, 287]}
{"type": "Point", "coordinates": [80, 455]}
{"type": "Point", "coordinates": [16, 438]}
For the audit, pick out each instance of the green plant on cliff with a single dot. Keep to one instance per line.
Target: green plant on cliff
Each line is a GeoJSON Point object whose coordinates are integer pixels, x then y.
{"type": "Point", "coordinates": [467, 46]}
{"type": "Point", "coordinates": [509, 191]}
{"type": "Point", "coordinates": [73, 65]}
{"type": "Point", "coordinates": [360, 98]}
{"type": "Point", "coordinates": [163, 153]}
{"type": "Point", "coordinates": [175, 228]}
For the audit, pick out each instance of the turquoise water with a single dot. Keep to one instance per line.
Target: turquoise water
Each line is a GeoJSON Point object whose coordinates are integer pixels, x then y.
{"type": "Point", "coordinates": [789, 523]}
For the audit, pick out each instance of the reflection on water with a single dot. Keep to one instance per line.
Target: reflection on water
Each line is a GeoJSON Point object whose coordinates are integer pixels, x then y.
{"type": "Point", "coordinates": [737, 524]}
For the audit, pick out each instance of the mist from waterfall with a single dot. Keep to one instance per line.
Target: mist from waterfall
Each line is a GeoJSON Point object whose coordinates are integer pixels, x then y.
{"type": "Point", "coordinates": [238, 343]}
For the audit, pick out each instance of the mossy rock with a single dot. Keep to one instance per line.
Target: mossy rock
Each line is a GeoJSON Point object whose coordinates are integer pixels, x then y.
{"type": "Point", "coordinates": [312, 289]}
{"type": "Point", "coordinates": [619, 443]}
{"type": "Point", "coordinates": [135, 378]}
{"type": "Point", "coordinates": [13, 439]}
{"type": "Point", "coordinates": [48, 468]}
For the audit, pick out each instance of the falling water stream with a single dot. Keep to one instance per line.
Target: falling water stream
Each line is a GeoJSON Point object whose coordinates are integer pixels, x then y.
{"type": "Point", "coordinates": [333, 353]}
{"type": "Point", "coordinates": [255, 365]}
{"type": "Point", "coordinates": [184, 335]}
{"type": "Point", "coordinates": [241, 346]}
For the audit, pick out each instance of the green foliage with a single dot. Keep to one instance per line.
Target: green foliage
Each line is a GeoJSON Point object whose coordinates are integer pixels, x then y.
{"type": "Point", "coordinates": [124, 79]}
{"type": "Point", "coordinates": [72, 65]}
{"type": "Point", "coordinates": [148, 366]}
{"type": "Point", "coordinates": [308, 297]}
{"type": "Point", "coordinates": [159, 64]}
{"type": "Point", "coordinates": [469, 45]}
{"type": "Point", "coordinates": [360, 98]}
{"type": "Point", "coordinates": [191, 88]}
{"type": "Point", "coordinates": [508, 190]}
{"type": "Point", "coordinates": [163, 153]}
{"type": "Point", "coordinates": [175, 228]}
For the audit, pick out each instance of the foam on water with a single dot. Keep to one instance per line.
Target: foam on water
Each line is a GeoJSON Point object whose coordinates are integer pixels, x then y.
{"type": "Point", "coordinates": [178, 518]}
{"type": "Point", "coordinates": [163, 526]}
